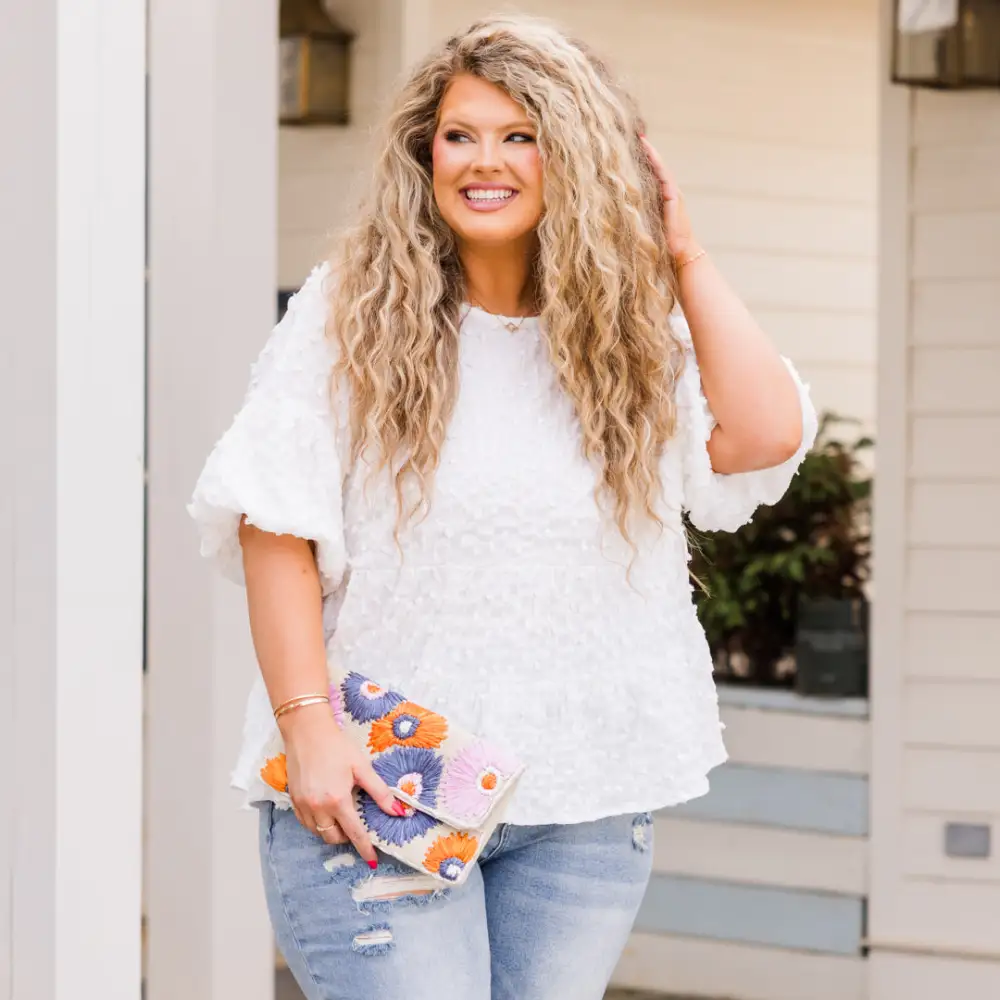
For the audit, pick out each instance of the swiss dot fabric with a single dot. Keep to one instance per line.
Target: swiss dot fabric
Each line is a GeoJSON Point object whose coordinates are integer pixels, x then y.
{"type": "Point", "coordinates": [509, 611]}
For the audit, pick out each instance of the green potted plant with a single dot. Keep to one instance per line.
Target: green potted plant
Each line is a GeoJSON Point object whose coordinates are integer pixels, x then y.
{"type": "Point", "coordinates": [783, 599]}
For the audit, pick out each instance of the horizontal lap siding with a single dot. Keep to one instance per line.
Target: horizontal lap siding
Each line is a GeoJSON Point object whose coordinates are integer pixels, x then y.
{"type": "Point", "coordinates": [956, 313]}
{"type": "Point", "coordinates": [775, 855]}
{"type": "Point", "coordinates": [949, 713]}
{"type": "Point", "coordinates": [954, 780]}
{"type": "Point", "coordinates": [916, 977]}
{"type": "Point", "coordinates": [787, 798]}
{"type": "Point", "coordinates": [322, 170]}
{"type": "Point", "coordinates": [956, 244]}
{"type": "Point", "coordinates": [800, 741]}
{"type": "Point", "coordinates": [952, 915]}
{"type": "Point", "coordinates": [320, 182]}
{"type": "Point", "coordinates": [844, 340]}
{"type": "Point", "coordinates": [690, 967]}
{"type": "Point", "coordinates": [759, 855]}
{"type": "Point", "coordinates": [763, 915]}
{"type": "Point", "coordinates": [951, 685]}
{"type": "Point", "coordinates": [956, 380]}
{"type": "Point", "coordinates": [951, 646]}
{"type": "Point", "coordinates": [955, 448]}
{"type": "Point", "coordinates": [955, 514]}
{"type": "Point", "coordinates": [954, 579]}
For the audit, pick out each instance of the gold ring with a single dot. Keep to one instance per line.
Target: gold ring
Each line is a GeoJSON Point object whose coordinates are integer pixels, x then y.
{"type": "Point", "coordinates": [323, 829]}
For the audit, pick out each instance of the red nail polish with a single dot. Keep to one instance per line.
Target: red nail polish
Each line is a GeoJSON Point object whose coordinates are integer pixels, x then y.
{"type": "Point", "coordinates": [399, 808]}
{"type": "Point", "coordinates": [373, 865]}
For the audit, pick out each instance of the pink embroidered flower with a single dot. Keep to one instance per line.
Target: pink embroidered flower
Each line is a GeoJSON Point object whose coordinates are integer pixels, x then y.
{"type": "Point", "coordinates": [337, 705]}
{"type": "Point", "coordinates": [473, 780]}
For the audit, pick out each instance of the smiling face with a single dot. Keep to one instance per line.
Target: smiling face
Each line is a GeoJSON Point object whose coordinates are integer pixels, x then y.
{"type": "Point", "coordinates": [487, 172]}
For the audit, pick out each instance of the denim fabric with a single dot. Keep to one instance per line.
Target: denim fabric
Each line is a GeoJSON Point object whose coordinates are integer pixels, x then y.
{"type": "Point", "coordinates": [544, 916]}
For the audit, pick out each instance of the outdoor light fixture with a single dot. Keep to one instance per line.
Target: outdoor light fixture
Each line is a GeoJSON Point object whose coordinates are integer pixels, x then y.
{"type": "Point", "coordinates": [314, 66]}
{"type": "Point", "coordinates": [947, 44]}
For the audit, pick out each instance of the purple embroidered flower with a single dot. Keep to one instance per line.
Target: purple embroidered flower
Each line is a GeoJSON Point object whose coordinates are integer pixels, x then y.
{"type": "Point", "coordinates": [412, 770]}
{"type": "Point", "coordinates": [337, 705]}
{"type": "Point", "coordinates": [473, 780]}
{"type": "Point", "coordinates": [367, 701]}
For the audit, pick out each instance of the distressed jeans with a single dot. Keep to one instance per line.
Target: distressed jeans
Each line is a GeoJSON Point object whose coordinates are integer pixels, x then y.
{"type": "Point", "coordinates": [544, 915]}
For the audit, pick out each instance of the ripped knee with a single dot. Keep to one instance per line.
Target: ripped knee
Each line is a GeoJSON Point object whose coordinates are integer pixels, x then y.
{"type": "Point", "coordinates": [376, 940]}
{"type": "Point", "coordinates": [642, 832]}
{"type": "Point", "coordinates": [382, 891]}
{"type": "Point", "coordinates": [379, 893]}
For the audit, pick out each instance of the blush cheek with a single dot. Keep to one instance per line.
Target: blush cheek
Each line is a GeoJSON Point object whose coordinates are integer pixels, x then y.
{"type": "Point", "coordinates": [447, 166]}
{"type": "Point", "coordinates": [530, 167]}
{"type": "Point", "coordinates": [437, 153]}
{"type": "Point", "coordinates": [447, 161]}
{"type": "Point", "coordinates": [528, 172]}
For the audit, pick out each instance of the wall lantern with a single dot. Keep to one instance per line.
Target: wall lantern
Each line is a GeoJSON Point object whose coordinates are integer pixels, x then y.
{"type": "Point", "coordinates": [314, 66]}
{"type": "Point", "coordinates": [947, 44]}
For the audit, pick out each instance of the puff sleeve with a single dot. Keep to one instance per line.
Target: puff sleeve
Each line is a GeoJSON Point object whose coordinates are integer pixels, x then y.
{"type": "Point", "coordinates": [278, 462]}
{"type": "Point", "coordinates": [714, 501]}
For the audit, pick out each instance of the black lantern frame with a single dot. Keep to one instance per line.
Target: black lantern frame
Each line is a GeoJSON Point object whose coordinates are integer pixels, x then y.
{"type": "Point", "coordinates": [314, 66]}
{"type": "Point", "coordinates": [946, 44]}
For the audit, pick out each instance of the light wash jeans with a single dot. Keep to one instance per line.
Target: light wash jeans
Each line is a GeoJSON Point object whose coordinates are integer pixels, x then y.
{"type": "Point", "coordinates": [544, 915]}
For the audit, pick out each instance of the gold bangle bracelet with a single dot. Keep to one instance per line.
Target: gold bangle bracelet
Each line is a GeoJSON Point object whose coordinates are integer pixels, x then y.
{"type": "Point", "coordinates": [690, 260]}
{"type": "Point", "coordinates": [300, 702]}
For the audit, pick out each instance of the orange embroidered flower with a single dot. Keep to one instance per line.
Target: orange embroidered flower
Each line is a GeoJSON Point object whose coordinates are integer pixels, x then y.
{"type": "Point", "coordinates": [408, 725]}
{"type": "Point", "coordinates": [275, 773]}
{"type": "Point", "coordinates": [449, 855]}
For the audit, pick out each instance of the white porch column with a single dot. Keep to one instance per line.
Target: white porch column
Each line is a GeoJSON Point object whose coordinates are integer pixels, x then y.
{"type": "Point", "coordinates": [213, 138]}
{"type": "Point", "coordinates": [72, 201]}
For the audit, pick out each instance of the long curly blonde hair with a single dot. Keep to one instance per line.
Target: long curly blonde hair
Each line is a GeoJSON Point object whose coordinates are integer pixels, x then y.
{"type": "Point", "coordinates": [602, 277]}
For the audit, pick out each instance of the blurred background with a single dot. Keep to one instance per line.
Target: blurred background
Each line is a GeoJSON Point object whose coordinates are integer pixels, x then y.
{"type": "Point", "coordinates": [172, 170]}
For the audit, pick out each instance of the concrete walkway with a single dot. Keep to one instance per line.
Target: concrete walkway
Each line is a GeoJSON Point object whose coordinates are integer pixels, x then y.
{"type": "Point", "coordinates": [287, 990]}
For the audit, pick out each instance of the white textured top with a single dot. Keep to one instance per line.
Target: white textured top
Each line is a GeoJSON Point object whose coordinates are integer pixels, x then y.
{"type": "Point", "coordinates": [510, 611]}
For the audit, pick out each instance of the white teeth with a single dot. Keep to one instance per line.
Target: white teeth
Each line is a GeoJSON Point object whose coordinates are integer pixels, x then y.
{"type": "Point", "coordinates": [489, 194]}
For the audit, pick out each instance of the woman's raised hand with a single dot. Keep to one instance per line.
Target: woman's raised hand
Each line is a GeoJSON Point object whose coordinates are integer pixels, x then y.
{"type": "Point", "coordinates": [681, 243]}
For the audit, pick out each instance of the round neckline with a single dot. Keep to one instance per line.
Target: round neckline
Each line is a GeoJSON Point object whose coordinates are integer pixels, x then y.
{"type": "Point", "coordinates": [498, 316]}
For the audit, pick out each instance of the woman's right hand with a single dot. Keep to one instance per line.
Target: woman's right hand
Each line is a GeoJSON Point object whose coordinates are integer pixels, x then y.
{"type": "Point", "coordinates": [323, 768]}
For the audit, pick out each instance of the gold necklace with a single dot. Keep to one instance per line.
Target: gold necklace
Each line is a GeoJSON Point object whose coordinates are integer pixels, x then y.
{"type": "Point", "coordinates": [508, 324]}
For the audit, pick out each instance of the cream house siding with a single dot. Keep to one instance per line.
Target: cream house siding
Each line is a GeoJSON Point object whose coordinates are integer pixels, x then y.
{"type": "Point", "coordinates": [764, 110]}
{"type": "Point", "coordinates": [322, 171]}
{"type": "Point", "coordinates": [318, 174]}
{"type": "Point", "coordinates": [936, 741]}
{"type": "Point", "coordinates": [951, 735]}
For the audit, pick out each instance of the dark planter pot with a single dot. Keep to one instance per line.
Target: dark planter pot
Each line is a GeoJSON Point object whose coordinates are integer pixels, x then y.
{"type": "Point", "coordinates": [831, 648]}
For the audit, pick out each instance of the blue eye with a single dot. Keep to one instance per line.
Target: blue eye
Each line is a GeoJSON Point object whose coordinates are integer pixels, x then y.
{"type": "Point", "coordinates": [456, 137]}
{"type": "Point", "coordinates": [520, 137]}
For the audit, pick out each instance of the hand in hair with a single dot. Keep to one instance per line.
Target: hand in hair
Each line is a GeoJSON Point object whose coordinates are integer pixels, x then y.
{"type": "Point", "coordinates": [754, 399]}
{"type": "Point", "coordinates": [681, 243]}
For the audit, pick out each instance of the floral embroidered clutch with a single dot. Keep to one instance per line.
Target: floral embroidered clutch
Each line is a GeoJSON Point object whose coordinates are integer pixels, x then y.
{"type": "Point", "coordinates": [455, 785]}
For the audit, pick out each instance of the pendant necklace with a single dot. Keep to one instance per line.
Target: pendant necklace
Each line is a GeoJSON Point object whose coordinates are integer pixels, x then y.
{"type": "Point", "coordinates": [508, 324]}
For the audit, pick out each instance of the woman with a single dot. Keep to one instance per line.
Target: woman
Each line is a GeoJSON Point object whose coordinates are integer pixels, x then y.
{"type": "Point", "coordinates": [460, 470]}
